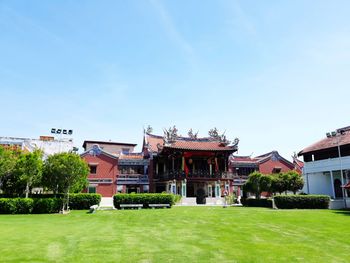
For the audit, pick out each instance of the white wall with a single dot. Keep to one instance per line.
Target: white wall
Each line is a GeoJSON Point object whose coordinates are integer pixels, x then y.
{"type": "Point", "coordinates": [318, 183]}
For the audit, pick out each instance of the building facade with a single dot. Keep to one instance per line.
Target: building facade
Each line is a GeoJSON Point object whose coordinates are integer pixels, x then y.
{"type": "Point", "coordinates": [327, 167]}
{"type": "Point", "coordinates": [269, 163]}
{"type": "Point", "coordinates": [192, 167]}
{"type": "Point", "coordinates": [114, 168]}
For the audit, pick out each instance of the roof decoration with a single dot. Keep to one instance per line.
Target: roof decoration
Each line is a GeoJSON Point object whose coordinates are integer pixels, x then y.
{"type": "Point", "coordinates": [171, 139]}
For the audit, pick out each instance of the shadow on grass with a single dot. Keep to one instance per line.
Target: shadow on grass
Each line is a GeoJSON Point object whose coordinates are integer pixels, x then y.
{"type": "Point", "coordinates": [345, 212]}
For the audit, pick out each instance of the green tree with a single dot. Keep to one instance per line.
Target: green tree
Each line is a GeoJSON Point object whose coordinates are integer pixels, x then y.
{"type": "Point", "coordinates": [295, 181]}
{"type": "Point", "coordinates": [265, 183]}
{"type": "Point", "coordinates": [278, 184]}
{"type": "Point", "coordinates": [8, 160]}
{"type": "Point", "coordinates": [253, 184]}
{"type": "Point", "coordinates": [65, 173]}
{"type": "Point", "coordinates": [28, 170]}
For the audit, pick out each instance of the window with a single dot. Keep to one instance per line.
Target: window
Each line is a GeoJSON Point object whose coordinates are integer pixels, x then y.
{"type": "Point", "coordinates": [276, 170]}
{"type": "Point", "coordinates": [125, 150]}
{"type": "Point", "coordinates": [92, 189]}
{"type": "Point", "coordinates": [93, 169]}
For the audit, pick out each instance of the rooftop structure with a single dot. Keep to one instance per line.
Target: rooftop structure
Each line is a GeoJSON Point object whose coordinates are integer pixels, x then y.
{"type": "Point", "coordinates": [49, 145]}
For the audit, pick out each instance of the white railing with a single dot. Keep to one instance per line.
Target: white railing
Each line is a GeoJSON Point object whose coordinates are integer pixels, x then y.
{"type": "Point", "coordinates": [331, 164]}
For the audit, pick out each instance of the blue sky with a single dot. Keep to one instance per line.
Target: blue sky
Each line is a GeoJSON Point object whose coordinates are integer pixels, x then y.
{"type": "Point", "coordinates": [273, 73]}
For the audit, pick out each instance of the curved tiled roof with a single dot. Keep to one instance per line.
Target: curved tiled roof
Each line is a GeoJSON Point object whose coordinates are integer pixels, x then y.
{"type": "Point", "coordinates": [184, 143]}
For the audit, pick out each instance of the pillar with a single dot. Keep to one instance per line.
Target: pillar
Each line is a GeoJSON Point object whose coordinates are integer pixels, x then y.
{"type": "Point", "coordinates": [184, 188]}
{"type": "Point", "coordinates": [332, 184]}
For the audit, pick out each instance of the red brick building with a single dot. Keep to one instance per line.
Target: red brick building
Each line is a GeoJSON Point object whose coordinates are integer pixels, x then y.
{"type": "Point", "coordinates": [268, 163]}
{"type": "Point", "coordinates": [115, 168]}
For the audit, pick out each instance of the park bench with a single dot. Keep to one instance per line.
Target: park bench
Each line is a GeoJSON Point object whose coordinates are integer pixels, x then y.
{"type": "Point", "coordinates": [153, 206]}
{"type": "Point", "coordinates": [93, 209]}
{"type": "Point", "coordinates": [138, 206]}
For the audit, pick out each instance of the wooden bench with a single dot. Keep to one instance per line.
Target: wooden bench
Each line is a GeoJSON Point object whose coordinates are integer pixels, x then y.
{"type": "Point", "coordinates": [138, 206]}
{"type": "Point", "coordinates": [159, 206]}
{"type": "Point", "coordinates": [93, 209]}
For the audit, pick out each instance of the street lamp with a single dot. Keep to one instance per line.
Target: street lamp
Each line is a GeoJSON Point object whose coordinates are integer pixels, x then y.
{"type": "Point", "coordinates": [61, 131]}
{"type": "Point", "coordinates": [337, 134]}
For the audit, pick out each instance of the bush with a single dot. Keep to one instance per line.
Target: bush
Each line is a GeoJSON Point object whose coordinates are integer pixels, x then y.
{"type": "Point", "coordinates": [16, 205]}
{"type": "Point", "coordinates": [47, 205]}
{"type": "Point", "coordinates": [144, 199]}
{"type": "Point", "coordinates": [302, 201]}
{"type": "Point", "coordinates": [256, 202]}
{"type": "Point", "coordinates": [83, 201]}
{"type": "Point", "coordinates": [177, 198]}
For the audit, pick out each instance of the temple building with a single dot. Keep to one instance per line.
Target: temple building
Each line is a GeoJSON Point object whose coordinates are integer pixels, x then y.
{"type": "Point", "coordinates": [196, 168]}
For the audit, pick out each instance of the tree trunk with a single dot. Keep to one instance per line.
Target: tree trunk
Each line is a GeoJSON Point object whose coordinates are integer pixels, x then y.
{"type": "Point", "coordinates": [27, 190]}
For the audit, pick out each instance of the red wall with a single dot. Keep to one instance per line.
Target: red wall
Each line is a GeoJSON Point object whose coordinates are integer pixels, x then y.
{"type": "Point", "coordinates": [267, 167]}
{"type": "Point", "coordinates": [107, 168]}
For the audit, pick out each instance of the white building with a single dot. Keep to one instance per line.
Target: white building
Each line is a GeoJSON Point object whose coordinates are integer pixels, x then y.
{"type": "Point", "coordinates": [47, 144]}
{"type": "Point", "coordinates": [327, 167]}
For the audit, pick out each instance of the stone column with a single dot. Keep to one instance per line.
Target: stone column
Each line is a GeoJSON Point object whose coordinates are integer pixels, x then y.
{"type": "Point", "coordinates": [332, 184]}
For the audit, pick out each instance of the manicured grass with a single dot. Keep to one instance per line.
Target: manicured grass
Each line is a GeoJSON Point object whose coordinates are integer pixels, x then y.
{"type": "Point", "coordinates": [179, 234]}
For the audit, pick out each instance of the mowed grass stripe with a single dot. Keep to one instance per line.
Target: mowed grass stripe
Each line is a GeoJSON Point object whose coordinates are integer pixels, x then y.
{"type": "Point", "coordinates": [179, 234]}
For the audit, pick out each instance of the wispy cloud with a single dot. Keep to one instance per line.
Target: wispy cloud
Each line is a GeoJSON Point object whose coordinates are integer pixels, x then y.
{"type": "Point", "coordinates": [173, 33]}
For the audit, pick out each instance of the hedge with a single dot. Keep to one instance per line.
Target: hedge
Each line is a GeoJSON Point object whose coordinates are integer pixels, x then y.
{"type": "Point", "coordinates": [16, 205]}
{"type": "Point", "coordinates": [144, 199]}
{"type": "Point", "coordinates": [302, 201]}
{"type": "Point", "coordinates": [256, 202]}
{"type": "Point", "coordinates": [83, 201]}
{"type": "Point", "coordinates": [46, 204]}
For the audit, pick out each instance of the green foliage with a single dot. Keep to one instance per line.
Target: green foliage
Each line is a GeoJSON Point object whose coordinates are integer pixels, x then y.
{"type": "Point", "coordinates": [83, 201]}
{"type": "Point", "coordinates": [278, 184]}
{"type": "Point", "coordinates": [253, 184]}
{"type": "Point", "coordinates": [177, 198]}
{"type": "Point", "coordinates": [64, 173]}
{"type": "Point", "coordinates": [296, 181]}
{"type": "Point", "coordinates": [273, 183]}
{"type": "Point", "coordinates": [16, 205]}
{"type": "Point", "coordinates": [302, 201]}
{"type": "Point", "coordinates": [46, 205]}
{"type": "Point", "coordinates": [20, 171]}
{"type": "Point", "coordinates": [144, 199]}
{"type": "Point", "coordinates": [257, 202]}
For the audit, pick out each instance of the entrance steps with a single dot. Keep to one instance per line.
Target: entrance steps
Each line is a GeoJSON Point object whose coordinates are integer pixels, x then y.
{"type": "Point", "coordinates": [106, 203]}
{"type": "Point", "coordinates": [210, 201]}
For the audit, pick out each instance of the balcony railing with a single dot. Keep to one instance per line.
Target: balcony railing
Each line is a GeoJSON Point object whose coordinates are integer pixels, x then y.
{"type": "Point", "coordinates": [132, 179]}
{"type": "Point", "coordinates": [198, 174]}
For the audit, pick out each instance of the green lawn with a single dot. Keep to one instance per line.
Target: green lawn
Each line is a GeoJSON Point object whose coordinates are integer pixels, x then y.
{"type": "Point", "coordinates": [179, 234]}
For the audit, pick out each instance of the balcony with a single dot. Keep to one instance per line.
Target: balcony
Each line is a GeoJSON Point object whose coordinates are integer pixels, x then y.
{"type": "Point", "coordinates": [140, 179]}
{"type": "Point", "coordinates": [331, 164]}
{"type": "Point", "coordinates": [198, 174]}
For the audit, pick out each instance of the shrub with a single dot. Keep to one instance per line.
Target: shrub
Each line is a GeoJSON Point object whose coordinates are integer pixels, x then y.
{"type": "Point", "coordinates": [302, 201]}
{"type": "Point", "coordinates": [16, 205]}
{"type": "Point", "coordinates": [257, 202]}
{"type": "Point", "coordinates": [177, 198]}
{"type": "Point", "coordinates": [83, 201]}
{"type": "Point", "coordinates": [46, 205]}
{"type": "Point", "coordinates": [144, 199]}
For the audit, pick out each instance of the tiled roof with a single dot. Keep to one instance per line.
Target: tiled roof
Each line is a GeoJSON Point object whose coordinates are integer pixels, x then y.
{"type": "Point", "coordinates": [133, 156]}
{"type": "Point", "coordinates": [201, 144]}
{"type": "Point", "coordinates": [242, 159]}
{"type": "Point", "coordinates": [326, 143]}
